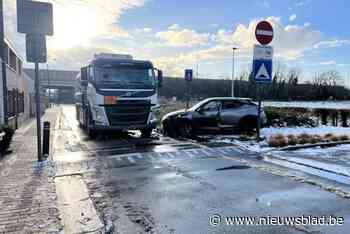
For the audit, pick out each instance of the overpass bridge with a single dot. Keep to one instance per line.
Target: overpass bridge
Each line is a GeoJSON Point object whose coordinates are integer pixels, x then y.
{"type": "Point", "coordinates": [63, 82]}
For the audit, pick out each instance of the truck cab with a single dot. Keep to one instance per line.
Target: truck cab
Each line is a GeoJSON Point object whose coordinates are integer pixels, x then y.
{"type": "Point", "coordinates": [118, 93]}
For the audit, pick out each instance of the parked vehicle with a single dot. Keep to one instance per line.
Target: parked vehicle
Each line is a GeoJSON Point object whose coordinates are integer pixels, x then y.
{"type": "Point", "coordinates": [117, 93]}
{"type": "Point", "coordinates": [213, 115]}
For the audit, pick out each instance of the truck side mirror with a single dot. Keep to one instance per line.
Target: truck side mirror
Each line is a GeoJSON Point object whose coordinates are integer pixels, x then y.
{"type": "Point", "coordinates": [84, 76]}
{"type": "Point", "coordinates": [160, 78]}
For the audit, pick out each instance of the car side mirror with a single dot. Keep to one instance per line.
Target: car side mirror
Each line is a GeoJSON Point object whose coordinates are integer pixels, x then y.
{"type": "Point", "coordinates": [84, 76]}
{"type": "Point", "coordinates": [160, 78]}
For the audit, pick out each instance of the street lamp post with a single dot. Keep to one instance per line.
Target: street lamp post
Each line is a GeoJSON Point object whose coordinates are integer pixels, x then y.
{"type": "Point", "coordinates": [233, 72]}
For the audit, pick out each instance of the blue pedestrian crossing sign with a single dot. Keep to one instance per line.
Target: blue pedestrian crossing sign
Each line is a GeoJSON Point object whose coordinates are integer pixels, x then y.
{"type": "Point", "coordinates": [262, 70]}
{"type": "Point", "coordinates": [188, 74]}
{"type": "Point", "coordinates": [262, 63]}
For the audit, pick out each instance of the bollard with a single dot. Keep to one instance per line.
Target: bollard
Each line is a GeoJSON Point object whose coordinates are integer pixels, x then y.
{"type": "Point", "coordinates": [46, 140]}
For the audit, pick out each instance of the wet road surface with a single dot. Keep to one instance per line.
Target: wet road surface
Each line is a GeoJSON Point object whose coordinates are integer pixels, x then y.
{"type": "Point", "coordinates": [169, 186]}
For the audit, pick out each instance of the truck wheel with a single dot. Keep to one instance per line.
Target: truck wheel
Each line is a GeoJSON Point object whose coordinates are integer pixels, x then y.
{"type": "Point", "coordinates": [187, 130]}
{"type": "Point", "coordinates": [92, 133]}
{"type": "Point", "coordinates": [146, 133]}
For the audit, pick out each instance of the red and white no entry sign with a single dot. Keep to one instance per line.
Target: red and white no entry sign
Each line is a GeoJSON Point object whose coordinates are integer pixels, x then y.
{"type": "Point", "coordinates": [264, 32]}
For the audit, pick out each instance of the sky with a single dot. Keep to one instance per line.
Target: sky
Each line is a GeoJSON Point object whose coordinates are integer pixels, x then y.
{"type": "Point", "coordinates": [310, 35]}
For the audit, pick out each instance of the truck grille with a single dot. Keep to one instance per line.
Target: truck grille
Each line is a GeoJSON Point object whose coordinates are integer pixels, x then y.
{"type": "Point", "coordinates": [128, 112]}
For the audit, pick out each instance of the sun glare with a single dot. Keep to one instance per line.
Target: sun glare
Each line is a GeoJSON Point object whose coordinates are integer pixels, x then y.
{"type": "Point", "coordinates": [75, 26]}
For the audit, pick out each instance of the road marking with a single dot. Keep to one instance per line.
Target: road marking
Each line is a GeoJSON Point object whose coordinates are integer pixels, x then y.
{"type": "Point", "coordinates": [131, 159]}
{"type": "Point", "coordinates": [191, 154]}
{"type": "Point", "coordinates": [207, 153]}
{"type": "Point", "coordinates": [151, 156]}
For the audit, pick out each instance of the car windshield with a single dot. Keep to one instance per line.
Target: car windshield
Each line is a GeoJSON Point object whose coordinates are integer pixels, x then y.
{"type": "Point", "coordinates": [126, 76]}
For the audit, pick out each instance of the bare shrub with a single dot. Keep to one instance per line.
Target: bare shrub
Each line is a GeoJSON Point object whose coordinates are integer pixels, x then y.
{"type": "Point", "coordinates": [292, 139]}
{"type": "Point", "coordinates": [344, 137]}
{"type": "Point", "coordinates": [316, 139]}
{"type": "Point", "coordinates": [277, 141]}
{"type": "Point", "coordinates": [304, 138]}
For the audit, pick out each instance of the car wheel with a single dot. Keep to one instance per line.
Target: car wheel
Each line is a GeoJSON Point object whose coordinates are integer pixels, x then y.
{"type": "Point", "coordinates": [170, 129]}
{"type": "Point", "coordinates": [248, 124]}
{"type": "Point", "coordinates": [187, 130]}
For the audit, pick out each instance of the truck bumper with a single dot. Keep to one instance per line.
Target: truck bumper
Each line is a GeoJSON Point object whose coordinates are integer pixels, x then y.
{"type": "Point", "coordinates": [151, 125]}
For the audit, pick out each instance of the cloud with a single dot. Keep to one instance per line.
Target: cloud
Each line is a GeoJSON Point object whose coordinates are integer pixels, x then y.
{"type": "Point", "coordinates": [290, 42]}
{"type": "Point", "coordinates": [301, 3]}
{"type": "Point", "coordinates": [77, 24]}
{"type": "Point", "coordinates": [177, 37]}
{"type": "Point", "coordinates": [331, 43]}
{"type": "Point", "coordinates": [327, 63]}
{"type": "Point", "coordinates": [76, 57]}
{"type": "Point", "coordinates": [292, 17]}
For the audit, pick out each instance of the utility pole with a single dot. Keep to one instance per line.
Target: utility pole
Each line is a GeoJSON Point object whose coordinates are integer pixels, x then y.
{"type": "Point", "coordinates": [233, 72]}
{"type": "Point", "coordinates": [3, 62]}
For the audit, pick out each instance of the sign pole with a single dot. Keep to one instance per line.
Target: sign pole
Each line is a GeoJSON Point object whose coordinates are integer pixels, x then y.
{"type": "Point", "coordinates": [188, 79]}
{"type": "Point", "coordinates": [259, 115]}
{"type": "Point", "coordinates": [188, 95]}
{"type": "Point", "coordinates": [262, 63]}
{"type": "Point", "coordinates": [38, 110]}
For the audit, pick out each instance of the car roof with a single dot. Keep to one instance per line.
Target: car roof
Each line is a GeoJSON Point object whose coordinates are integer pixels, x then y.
{"type": "Point", "coordinates": [218, 99]}
{"type": "Point", "coordinates": [227, 99]}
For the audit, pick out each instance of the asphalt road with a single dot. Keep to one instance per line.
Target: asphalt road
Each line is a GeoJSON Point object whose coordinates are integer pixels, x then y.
{"type": "Point", "coordinates": [168, 186]}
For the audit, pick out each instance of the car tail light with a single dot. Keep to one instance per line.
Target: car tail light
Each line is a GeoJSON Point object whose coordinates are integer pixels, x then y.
{"type": "Point", "coordinates": [110, 100]}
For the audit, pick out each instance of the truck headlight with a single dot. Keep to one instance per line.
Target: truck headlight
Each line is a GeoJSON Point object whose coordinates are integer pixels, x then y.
{"type": "Point", "coordinates": [152, 117]}
{"type": "Point", "coordinates": [100, 116]}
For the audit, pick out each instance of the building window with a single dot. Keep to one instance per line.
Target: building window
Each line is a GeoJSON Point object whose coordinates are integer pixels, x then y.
{"type": "Point", "coordinates": [13, 60]}
{"type": "Point", "coordinates": [6, 54]}
{"type": "Point", "coordinates": [11, 103]}
{"type": "Point", "coordinates": [21, 102]}
{"type": "Point", "coordinates": [19, 67]}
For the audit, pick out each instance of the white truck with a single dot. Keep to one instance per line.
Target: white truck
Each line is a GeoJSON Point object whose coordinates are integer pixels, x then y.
{"type": "Point", "coordinates": [117, 93]}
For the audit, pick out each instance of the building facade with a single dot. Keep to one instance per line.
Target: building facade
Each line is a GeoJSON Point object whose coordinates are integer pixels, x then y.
{"type": "Point", "coordinates": [20, 88]}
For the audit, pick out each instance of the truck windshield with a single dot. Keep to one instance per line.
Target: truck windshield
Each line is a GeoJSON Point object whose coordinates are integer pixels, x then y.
{"type": "Point", "coordinates": [131, 76]}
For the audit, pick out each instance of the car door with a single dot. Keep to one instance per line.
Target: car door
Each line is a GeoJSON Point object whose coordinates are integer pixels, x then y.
{"type": "Point", "coordinates": [230, 112]}
{"type": "Point", "coordinates": [207, 115]}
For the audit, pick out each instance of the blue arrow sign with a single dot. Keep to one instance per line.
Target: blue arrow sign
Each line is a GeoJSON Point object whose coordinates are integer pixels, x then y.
{"type": "Point", "coordinates": [188, 74]}
{"type": "Point", "coordinates": [262, 70]}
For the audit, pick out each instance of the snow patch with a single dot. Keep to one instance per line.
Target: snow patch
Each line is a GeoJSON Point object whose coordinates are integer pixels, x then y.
{"type": "Point", "coordinates": [321, 130]}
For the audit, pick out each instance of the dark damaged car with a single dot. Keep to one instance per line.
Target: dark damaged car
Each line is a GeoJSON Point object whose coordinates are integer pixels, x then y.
{"type": "Point", "coordinates": [213, 115]}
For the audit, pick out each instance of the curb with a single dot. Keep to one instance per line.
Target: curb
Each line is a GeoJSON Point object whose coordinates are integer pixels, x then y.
{"type": "Point", "coordinates": [327, 144]}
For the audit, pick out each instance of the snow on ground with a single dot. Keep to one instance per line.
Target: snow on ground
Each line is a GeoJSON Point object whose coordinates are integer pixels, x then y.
{"type": "Point", "coordinates": [321, 130]}
{"type": "Point", "coordinates": [261, 147]}
{"type": "Point", "coordinates": [334, 105]}
{"type": "Point", "coordinates": [325, 152]}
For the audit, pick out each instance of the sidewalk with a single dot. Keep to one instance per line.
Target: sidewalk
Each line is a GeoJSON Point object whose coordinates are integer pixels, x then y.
{"type": "Point", "coordinates": [28, 202]}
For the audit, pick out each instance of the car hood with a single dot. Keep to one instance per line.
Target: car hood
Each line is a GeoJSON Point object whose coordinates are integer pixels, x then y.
{"type": "Point", "coordinates": [174, 114]}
